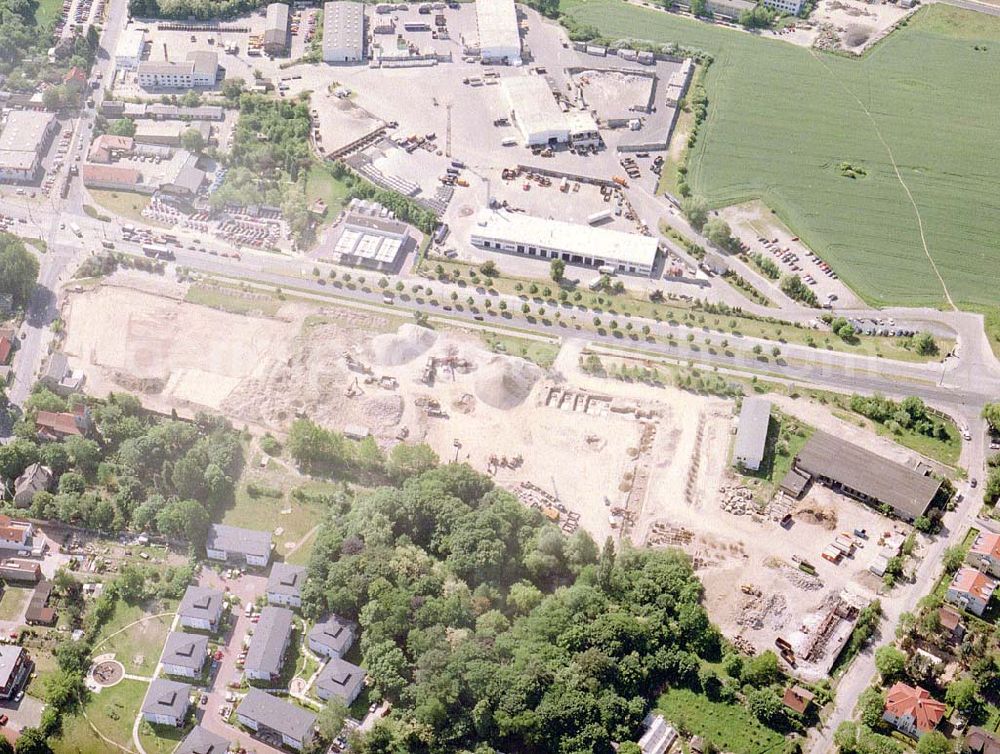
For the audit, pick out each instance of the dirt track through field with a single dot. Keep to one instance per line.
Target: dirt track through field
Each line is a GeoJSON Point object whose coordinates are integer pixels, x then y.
{"type": "Point", "coordinates": [899, 176]}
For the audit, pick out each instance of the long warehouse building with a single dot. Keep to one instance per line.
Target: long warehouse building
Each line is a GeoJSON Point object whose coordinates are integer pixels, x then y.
{"type": "Point", "coordinates": [499, 35]}
{"type": "Point", "coordinates": [276, 29]}
{"type": "Point", "coordinates": [518, 233]}
{"type": "Point", "coordinates": [343, 32]}
{"type": "Point", "coordinates": [539, 117]}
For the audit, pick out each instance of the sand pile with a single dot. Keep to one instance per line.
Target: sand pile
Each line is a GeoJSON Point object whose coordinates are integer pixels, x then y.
{"type": "Point", "coordinates": [505, 381]}
{"type": "Point", "coordinates": [409, 342]}
{"type": "Point", "coordinates": [382, 412]}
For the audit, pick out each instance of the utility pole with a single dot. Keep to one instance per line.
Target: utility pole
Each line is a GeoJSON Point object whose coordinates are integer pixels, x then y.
{"type": "Point", "coordinates": [447, 143]}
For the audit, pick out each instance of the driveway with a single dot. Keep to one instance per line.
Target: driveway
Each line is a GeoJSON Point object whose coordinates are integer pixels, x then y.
{"type": "Point", "coordinates": [26, 713]}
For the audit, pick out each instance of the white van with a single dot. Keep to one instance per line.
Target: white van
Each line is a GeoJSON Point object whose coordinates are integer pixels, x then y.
{"type": "Point", "coordinates": [509, 141]}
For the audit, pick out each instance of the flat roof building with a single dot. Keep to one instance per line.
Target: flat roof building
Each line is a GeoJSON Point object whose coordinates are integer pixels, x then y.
{"type": "Point", "coordinates": [24, 138]}
{"type": "Point", "coordinates": [751, 434]}
{"type": "Point", "coordinates": [539, 117]}
{"type": "Point", "coordinates": [499, 35]}
{"type": "Point", "coordinates": [517, 233]}
{"type": "Point", "coordinates": [200, 70]}
{"type": "Point", "coordinates": [729, 9]}
{"type": "Point", "coordinates": [343, 32]}
{"type": "Point", "coordinates": [276, 29]}
{"type": "Point", "coordinates": [131, 46]}
{"type": "Point", "coordinates": [263, 713]}
{"type": "Point", "coordinates": [866, 476]}
{"type": "Point", "coordinates": [791, 7]}
{"type": "Point", "coordinates": [372, 242]}
{"type": "Point", "coordinates": [15, 666]}
{"type": "Point", "coordinates": [232, 543]}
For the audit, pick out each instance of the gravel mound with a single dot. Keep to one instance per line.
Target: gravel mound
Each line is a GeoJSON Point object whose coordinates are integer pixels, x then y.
{"type": "Point", "coordinates": [505, 381]}
{"type": "Point", "coordinates": [409, 342]}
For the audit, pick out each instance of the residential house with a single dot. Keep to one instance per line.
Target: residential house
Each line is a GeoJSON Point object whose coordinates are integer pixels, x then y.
{"type": "Point", "coordinates": [58, 376]}
{"type": "Point", "coordinates": [284, 585]}
{"type": "Point", "coordinates": [985, 553]}
{"type": "Point", "coordinates": [15, 668]}
{"type": "Point", "coordinates": [798, 699]}
{"type": "Point", "coordinates": [16, 535]}
{"type": "Point", "coordinates": [166, 702]}
{"type": "Point", "coordinates": [35, 479]}
{"type": "Point", "coordinates": [331, 638]}
{"type": "Point", "coordinates": [202, 741]}
{"type": "Point", "coordinates": [951, 625]}
{"type": "Point", "coordinates": [38, 612]}
{"type": "Point", "coordinates": [75, 77]}
{"type": "Point", "coordinates": [981, 741]}
{"type": "Point", "coordinates": [53, 425]}
{"type": "Point", "coordinates": [971, 590]}
{"type": "Point", "coordinates": [340, 679]}
{"type": "Point", "coordinates": [911, 710]}
{"type": "Point", "coordinates": [270, 639]}
{"type": "Point", "coordinates": [201, 608]}
{"type": "Point", "coordinates": [263, 713]}
{"type": "Point", "coordinates": [184, 654]}
{"type": "Point", "coordinates": [235, 545]}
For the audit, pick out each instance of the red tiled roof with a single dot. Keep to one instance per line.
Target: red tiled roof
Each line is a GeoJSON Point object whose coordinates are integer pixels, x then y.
{"type": "Point", "coordinates": [110, 173]}
{"type": "Point", "coordinates": [62, 424]}
{"type": "Point", "coordinates": [902, 700]}
{"type": "Point", "coordinates": [949, 618]}
{"type": "Point", "coordinates": [987, 544]}
{"type": "Point", "coordinates": [976, 583]}
{"type": "Point", "coordinates": [797, 698]}
{"type": "Point", "coordinates": [5, 346]}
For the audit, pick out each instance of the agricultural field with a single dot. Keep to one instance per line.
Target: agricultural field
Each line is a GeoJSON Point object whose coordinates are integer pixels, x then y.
{"type": "Point", "coordinates": [769, 136]}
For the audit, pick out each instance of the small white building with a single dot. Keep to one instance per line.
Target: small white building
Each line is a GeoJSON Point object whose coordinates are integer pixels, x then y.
{"type": "Point", "coordinates": [971, 590]}
{"type": "Point", "coordinates": [200, 70]}
{"type": "Point", "coordinates": [184, 654]}
{"type": "Point", "coordinates": [517, 233]}
{"type": "Point", "coordinates": [499, 34]}
{"type": "Point", "coordinates": [236, 545]}
{"type": "Point", "coordinates": [166, 702]}
{"type": "Point", "coordinates": [263, 713]}
{"type": "Point", "coordinates": [791, 7]}
{"type": "Point", "coordinates": [751, 434]}
{"type": "Point", "coordinates": [331, 638]}
{"type": "Point", "coordinates": [284, 585]}
{"type": "Point", "coordinates": [131, 46]}
{"type": "Point", "coordinates": [539, 117]}
{"type": "Point", "coordinates": [201, 608]}
{"type": "Point", "coordinates": [343, 32]}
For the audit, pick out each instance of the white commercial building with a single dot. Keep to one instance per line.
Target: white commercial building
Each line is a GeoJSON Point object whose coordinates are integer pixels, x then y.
{"type": "Point", "coordinates": [539, 117]}
{"type": "Point", "coordinates": [499, 36]}
{"type": "Point", "coordinates": [343, 32]}
{"type": "Point", "coordinates": [518, 233]}
{"type": "Point", "coordinates": [751, 434]}
{"type": "Point", "coordinates": [792, 7]}
{"type": "Point", "coordinates": [131, 45]}
{"type": "Point", "coordinates": [199, 71]}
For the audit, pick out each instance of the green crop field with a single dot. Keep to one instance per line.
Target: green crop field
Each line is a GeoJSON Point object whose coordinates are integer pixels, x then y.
{"type": "Point", "coordinates": [781, 119]}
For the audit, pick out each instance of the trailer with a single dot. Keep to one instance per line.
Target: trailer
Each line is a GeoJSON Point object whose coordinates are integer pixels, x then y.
{"type": "Point", "coordinates": [599, 217]}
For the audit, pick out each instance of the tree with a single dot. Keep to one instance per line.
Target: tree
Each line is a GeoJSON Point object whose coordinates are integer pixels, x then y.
{"type": "Point", "coordinates": [953, 558]}
{"type": "Point", "coordinates": [765, 705]}
{"type": "Point", "coordinates": [890, 662]}
{"type": "Point", "coordinates": [761, 670]}
{"type": "Point", "coordinates": [53, 98]}
{"type": "Point", "coordinates": [629, 747]}
{"type": "Point", "coordinates": [556, 269]}
{"type": "Point", "coordinates": [330, 719]}
{"type": "Point", "coordinates": [699, 8]}
{"type": "Point", "coordinates": [871, 705]}
{"type": "Point", "coordinates": [718, 232]}
{"type": "Point", "coordinates": [406, 461]}
{"type": "Point", "coordinates": [991, 413]}
{"type": "Point", "coordinates": [18, 270]}
{"type": "Point", "coordinates": [925, 344]}
{"type": "Point", "coordinates": [963, 695]}
{"type": "Point", "coordinates": [933, 742]}
{"type": "Point", "coordinates": [793, 287]}
{"type": "Point", "coordinates": [184, 519]}
{"type": "Point", "coordinates": [193, 140]}
{"type": "Point", "coordinates": [695, 208]}
{"type": "Point", "coordinates": [32, 741]}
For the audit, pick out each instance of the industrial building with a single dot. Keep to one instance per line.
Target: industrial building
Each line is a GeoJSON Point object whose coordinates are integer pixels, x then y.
{"type": "Point", "coordinates": [539, 118]}
{"type": "Point", "coordinates": [200, 70]}
{"type": "Point", "coordinates": [371, 240]}
{"type": "Point", "coordinates": [276, 30]}
{"type": "Point", "coordinates": [861, 474]}
{"type": "Point", "coordinates": [343, 32]}
{"type": "Point", "coordinates": [131, 47]}
{"type": "Point", "coordinates": [751, 433]}
{"type": "Point", "coordinates": [518, 233]}
{"type": "Point", "coordinates": [792, 7]}
{"type": "Point", "coordinates": [499, 35]}
{"type": "Point", "coordinates": [24, 138]}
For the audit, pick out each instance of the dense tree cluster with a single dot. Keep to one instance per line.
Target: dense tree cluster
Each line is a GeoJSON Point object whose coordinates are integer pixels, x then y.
{"type": "Point", "coordinates": [144, 473]}
{"type": "Point", "coordinates": [795, 288]}
{"type": "Point", "coordinates": [202, 10]}
{"type": "Point", "coordinates": [909, 414]}
{"type": "Point", "coordinates": [18, 270]}
{"type": "Point", "coordinates": [403, 207]}
{"type": "Point", "coordinates": [491, 630]}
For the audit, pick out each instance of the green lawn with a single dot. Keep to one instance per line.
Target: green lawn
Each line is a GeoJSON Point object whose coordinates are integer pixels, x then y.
{"type": "Point", "coordinates": [230, 299]}
{"type": "Point", "coordinates": [13, 602]}
{"type": "Point", "coordinates": [112, 712]}
{"type": "Point", "coordinates": [125, 204]}
{"type": "Point", "coordinates": [730, 727]}
{"type": "Point", "coordinates": [137, 647]}
{"type": "Point", "coordinates": [320, 184]}
{"type": "Point", "coordinates": [273, 506]}
{"type": "Point", "coordinates": [945, 451]}
{"type": "Point", "coordinates": [785, 437]}
{"type": "Point", "coordinates": [540, 352]}
{"type": "Point", "coordinates": [47, 11]}
{"type": "Point", "coordinates": [781, 118]}
{"type": "Point", "coordinates": [161, 739]}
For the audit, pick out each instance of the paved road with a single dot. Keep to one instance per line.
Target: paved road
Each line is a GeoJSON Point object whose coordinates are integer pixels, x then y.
{"type": "Point", "coordinates": [990, 10]}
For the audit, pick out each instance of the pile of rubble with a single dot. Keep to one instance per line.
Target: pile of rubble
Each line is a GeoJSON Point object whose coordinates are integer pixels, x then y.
{"type": "Point", "coordinates": [737, 500]}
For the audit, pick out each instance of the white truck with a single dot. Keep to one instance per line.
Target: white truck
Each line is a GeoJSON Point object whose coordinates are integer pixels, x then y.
{"type": "Point", "coordinates": [76, 230]}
